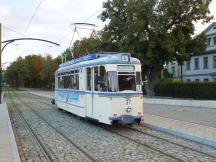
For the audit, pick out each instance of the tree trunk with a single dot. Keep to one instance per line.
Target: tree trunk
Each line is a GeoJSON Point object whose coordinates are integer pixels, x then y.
{"type": "Point", "coordinates": [152, 78]}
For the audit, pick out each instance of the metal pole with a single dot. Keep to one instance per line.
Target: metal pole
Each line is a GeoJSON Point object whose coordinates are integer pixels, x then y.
{"type": "Point", "coordinates": [181, 73]}
{"type": "Point", "coordinates": [0, 65]}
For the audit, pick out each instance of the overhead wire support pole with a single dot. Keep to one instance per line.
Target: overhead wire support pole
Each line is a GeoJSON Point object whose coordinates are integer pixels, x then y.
{"type": "Point", "coordinates": [7, 42]}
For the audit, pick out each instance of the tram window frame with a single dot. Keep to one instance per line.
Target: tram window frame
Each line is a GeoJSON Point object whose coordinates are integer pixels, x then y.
{"type": "Point", "coordinates": [138, 78]}
{"type": "Point", "coordinates": [88, 82]}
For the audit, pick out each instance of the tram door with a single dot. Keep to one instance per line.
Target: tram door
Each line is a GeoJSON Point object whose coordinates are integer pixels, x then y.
{"type": "Point", "coordinates": [89, 98]}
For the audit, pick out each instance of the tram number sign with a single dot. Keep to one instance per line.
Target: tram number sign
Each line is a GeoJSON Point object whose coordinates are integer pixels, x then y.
{"type": "Point", "coordinates": [125, 58]}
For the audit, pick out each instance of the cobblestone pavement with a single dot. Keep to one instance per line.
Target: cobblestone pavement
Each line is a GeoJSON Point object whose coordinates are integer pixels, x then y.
{"type": "Point", "coordinates": [102, 145]}
{"type": "Point", "coordinates": [203, 116]}
{"type": "Point", "coordinates": [183, 153]}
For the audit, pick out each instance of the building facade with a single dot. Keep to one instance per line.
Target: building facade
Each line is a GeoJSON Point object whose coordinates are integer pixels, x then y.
{"type": "Point", "coordinates": [200, 67]}
{"type": "Point", "coordinates": [203, 67]}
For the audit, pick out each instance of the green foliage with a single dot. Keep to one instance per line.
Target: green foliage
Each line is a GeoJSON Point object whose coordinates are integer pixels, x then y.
{"type": "Point", "coordinates": [85, 46]}
{"type": "Point", "coordinates": [205, 90]}
{"type": "Point", "coordinates": [32, 71]}
{"type": "Point", "coordinates": [156, 31]}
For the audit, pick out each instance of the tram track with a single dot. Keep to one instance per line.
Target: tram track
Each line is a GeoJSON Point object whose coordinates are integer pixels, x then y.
{"type": "Point", "coordinates": [89, 157]}
{"type": "Point", "coordinates": [138, 143]}
{"type": "Point", "coordinates": [156, 138]}
{"type": "Point", "coordinates": [40, 144]}
{"type": "Point", "coordinates": [169, 141]}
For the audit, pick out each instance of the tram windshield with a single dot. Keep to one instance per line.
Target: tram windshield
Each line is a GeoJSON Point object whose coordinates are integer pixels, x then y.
{"type": "Point", "coordinates": [126, 83]}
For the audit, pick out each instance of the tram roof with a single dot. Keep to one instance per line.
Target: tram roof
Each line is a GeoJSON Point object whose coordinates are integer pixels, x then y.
{"type": "Point", "coordinates": [99, 59]}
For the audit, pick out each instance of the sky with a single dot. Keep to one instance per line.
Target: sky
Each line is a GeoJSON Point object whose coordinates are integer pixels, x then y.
{"type": "Point", "coordinates": [52, 22]}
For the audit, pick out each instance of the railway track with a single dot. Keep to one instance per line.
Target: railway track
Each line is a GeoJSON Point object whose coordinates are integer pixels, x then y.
{"type": "Point", "coordinates": [154, 142]}
{"type": "Point", "coordinates": [213, 155]}
{"type": "Point", "coordinates": [46, 151]}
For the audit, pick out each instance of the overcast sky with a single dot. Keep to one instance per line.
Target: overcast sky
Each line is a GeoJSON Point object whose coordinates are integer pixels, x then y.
{"type": "Point", "coordinates": [51, 21]}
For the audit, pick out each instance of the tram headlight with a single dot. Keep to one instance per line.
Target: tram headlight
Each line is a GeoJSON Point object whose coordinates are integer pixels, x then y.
{"type": "Point", "coordinates": [128, 109]}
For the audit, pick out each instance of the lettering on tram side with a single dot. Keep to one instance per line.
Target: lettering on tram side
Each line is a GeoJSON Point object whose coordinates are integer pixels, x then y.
{"type": "Point", "coordinates": [73, 97]}
{"type": "Point", "coordinates": [61, 96]}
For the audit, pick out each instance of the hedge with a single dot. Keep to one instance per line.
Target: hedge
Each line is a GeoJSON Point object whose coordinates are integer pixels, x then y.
{"type": "Point", "coordinates": [205, 90]}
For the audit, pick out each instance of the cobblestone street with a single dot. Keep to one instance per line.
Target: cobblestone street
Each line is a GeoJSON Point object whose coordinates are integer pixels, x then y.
{"type": "Point", "coordinates": [61, 134]}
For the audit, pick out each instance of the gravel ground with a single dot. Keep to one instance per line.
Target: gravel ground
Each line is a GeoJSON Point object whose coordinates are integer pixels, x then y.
{"type": "Point", "coordinates": [182, 153]}
{"type": "Point", "coordinates": [203, 116]}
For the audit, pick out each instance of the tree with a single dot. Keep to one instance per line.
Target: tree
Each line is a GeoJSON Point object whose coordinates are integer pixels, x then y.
{"type": "Point", "coordinates": [156, 31]}
{"type": "Point", "coordinates": [86, 45]}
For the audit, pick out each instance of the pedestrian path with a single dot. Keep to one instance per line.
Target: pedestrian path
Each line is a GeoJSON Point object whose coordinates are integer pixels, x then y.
{"type": "Point", "coordinates": [181, 102]}
{"type": "Point", "coordinates": [8, 147]}
{"type": "Point", "coordinates": [192, 131]}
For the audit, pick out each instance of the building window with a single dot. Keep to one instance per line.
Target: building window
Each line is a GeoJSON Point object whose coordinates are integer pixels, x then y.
{"type": "Point", "coordinates": [196, 80]}
{"type": "Point", "coordinates": [209, 42]}
{"type": "Point", "coordinates": [205, 79]}
{"type": "Point", "coordinates": [187, 65]}
{"type": "Point", "coordinates": [214, 61]}
{"type": "Point", "coordinates": [214, 41]}
{"type": "Point", "coordinates": [196, 63]}
{"type": "Point", "coordinates": [205, 63]}
{"type": "Point", "coordinates": [173, 70]}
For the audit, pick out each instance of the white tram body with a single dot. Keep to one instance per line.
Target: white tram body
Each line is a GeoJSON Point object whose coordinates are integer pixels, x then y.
{"type": "Point", "coordinates": [103, 87]}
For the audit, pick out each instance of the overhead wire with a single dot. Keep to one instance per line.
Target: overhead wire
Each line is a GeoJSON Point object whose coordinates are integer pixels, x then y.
{"type": "Point", "coordinates": [32, 17]}
{"type": "Point", "coordinates": [67, 34]}
{"type": "Point", "coordinates": [10, 29]}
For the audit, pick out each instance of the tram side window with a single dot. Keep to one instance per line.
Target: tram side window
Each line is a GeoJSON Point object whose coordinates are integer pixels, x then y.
{"type": "Point", "coordinates": [89, 79]}
{"type": "Point", "coordinates": [112, 81]}
{"type": "Point", "coordinates": [60, 82]}
{"type": "Point", "coordinates": [66, 82]}
{"type": "Point", "coordinates": [96, 79]}
{"type": "Point", "coordinates": [103, 79]}
{"type": "Point", "coordinates": [76, 82]}
{"type": "Point", "coordinates": [100, 81]}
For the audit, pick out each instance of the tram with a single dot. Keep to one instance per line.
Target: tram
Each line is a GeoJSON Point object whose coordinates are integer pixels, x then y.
{"type": "Point", "coordinates": [106, 87]}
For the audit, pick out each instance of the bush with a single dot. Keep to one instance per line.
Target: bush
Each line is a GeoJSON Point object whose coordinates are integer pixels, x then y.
{"type": "Point", "coordinates": [205, 90]}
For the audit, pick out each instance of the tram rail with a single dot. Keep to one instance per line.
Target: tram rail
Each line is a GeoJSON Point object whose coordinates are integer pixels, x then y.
{"type": "Point", "coordinates": [52, 127]}
{"type": "Point", "coordinates": [160, 140]}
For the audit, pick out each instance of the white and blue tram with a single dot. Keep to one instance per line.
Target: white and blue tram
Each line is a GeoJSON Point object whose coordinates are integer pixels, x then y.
{"type": "Point", "coordinates": [106, 87]}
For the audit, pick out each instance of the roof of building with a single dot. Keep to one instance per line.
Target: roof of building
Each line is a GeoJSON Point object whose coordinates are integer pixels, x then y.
{"type": "Point", "coordinates": [209, 27]}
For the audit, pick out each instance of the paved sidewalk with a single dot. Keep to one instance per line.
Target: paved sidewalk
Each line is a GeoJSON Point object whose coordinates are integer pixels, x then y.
{"type": "Point", "coordinates": [189, 130]}
{"type": "Point", "coordinates": [47, 94]}
{"type": "Point", "coordinates": [8, 147]}
{"type": "Point", "coordinates": [192, 131]}
{"type": "Point", "coordinates": [181, 102]}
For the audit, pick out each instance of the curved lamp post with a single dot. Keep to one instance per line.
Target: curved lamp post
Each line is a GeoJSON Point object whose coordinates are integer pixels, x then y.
{"type": "Point", "coordinates": [7, 42]}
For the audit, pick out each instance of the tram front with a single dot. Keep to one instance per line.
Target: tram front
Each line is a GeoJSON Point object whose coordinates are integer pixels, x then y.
{"type": "Point", "coordinates": [122, 102]}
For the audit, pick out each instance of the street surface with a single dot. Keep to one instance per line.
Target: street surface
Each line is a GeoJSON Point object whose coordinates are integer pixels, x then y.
{"type": "Point", "coordinates": [203, 116]}
{"type": "Point", "coordinates": [44, 133]}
